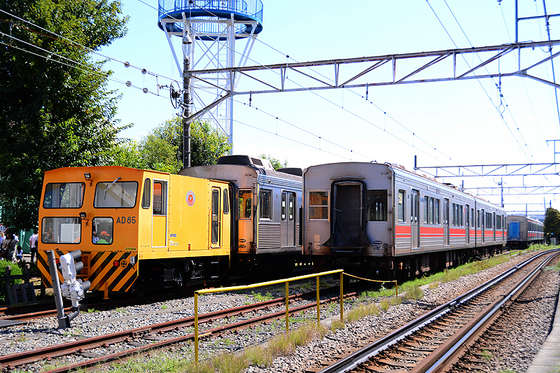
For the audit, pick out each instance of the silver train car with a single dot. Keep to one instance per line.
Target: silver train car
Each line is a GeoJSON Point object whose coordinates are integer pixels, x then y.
{"type": "Point", "coordinates": [523, 231]}
{"type": "Point", "coordinates": [386, 222]}
{"type": "Point", "coordinates": [266, 204]}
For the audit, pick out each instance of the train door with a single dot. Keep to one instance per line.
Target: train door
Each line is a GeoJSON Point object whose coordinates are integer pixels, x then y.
{"type": "Point", "coordinates": [159, 214]}
{"type": "Point", "coordinates": [348, 215]}
{"type": "Point", "coordinates": [287, 219]}
{"type": "Point", "coordinates": [216, 227]}
{"type": "Point", "coordinates": [467, 225]}
{"type": "Point", "coordinates": [415, 218]}
{"type": "Point", "coordinates": [245, 221]}
{"type": "Point", "coordinates": [482, 230]}
{"type": "Point", "coordinates": [446, 222]}
{"type": "Point", "coordinates": [494, 224]}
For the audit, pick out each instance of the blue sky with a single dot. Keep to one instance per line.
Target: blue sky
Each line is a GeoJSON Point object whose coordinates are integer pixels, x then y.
{"type": "Point", "coordinates": [461, 120]}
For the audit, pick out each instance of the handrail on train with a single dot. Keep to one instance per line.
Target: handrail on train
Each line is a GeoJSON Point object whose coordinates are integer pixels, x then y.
{"type": "Point", "coordinates": [276, 282]}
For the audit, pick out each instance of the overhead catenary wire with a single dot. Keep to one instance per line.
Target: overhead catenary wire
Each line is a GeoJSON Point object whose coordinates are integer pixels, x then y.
{"type": "Point", "coordinates": [484, 89]}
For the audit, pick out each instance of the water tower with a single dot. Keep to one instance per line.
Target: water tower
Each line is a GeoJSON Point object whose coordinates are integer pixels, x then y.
{"type": "Point", "coordinates": [208, 31]}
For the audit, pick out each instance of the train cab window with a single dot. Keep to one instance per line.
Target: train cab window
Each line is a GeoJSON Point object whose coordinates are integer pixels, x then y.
{"type": "Point", "coordinates": [61, 230]}
{"type": "Point", "coordinates": [318, 205]}
{"type": "Point", "coordinates": [160, 198]}
{"type": "Point", "coordinates": [64, 195]}
{"type": "Point", "coordinates": [377, 205]}
{"type": "Point", "coordinates": [245, 204]}
{"type": "Point", "coordinates": [226, 201]}
{"type": "Point", "coordinates": [265, 204]}
{"type": "Point", "coordinates": [401, 206]}
{"type": "Point", "coordinates": [146, 194]}
{"type": "Point", "coordinates": [115, 194]}
{"type": "Point", "coordinates": [102, 231]}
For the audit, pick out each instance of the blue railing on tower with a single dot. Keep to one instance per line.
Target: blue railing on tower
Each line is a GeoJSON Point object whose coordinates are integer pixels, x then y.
{"type": "Point", "coordinates": [242, 10]}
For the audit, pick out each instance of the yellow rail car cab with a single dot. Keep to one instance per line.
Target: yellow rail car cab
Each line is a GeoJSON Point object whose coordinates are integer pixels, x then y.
{"type": "Point", "coordinates": [134, 227]}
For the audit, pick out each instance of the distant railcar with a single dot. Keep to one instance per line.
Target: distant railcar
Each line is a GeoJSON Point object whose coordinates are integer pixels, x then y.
{"type": "Point", "coordinates": [266, 204]}
{"type": "Point", "coordinates": [136, 227]}
{"type": "Point", "coordinates": [382, 220]}
{"type": "Point", "coordinates": [523, 231]}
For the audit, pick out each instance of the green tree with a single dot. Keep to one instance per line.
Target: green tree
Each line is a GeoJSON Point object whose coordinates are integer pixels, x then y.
{"type": "Point", "coordinates": [552, 223]}
{"type": "Point", "coordinates": [55, 109]}
{"type": "Point", "coordinates": [161, 149]}
{"type": "Point", "coordinates": [276, 164]}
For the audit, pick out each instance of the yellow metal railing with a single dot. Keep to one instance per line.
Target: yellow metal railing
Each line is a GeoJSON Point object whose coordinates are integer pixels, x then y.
{"type": "Point", "coordinates": [276, 282]}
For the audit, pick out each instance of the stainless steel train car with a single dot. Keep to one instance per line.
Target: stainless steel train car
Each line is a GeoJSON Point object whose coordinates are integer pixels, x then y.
{"type": "Point", "coordinates": [384, 221]}
{"type": "Point", "coordinates": [266, 204]}
{"type": "Point", "coordinates": [523, 231]}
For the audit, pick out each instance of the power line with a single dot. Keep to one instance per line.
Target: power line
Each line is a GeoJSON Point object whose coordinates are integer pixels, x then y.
{"type": "Point", "coordinates": [484, 89]}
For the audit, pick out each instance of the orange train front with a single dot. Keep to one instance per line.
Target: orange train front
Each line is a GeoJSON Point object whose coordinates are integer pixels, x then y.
{"type": "Point", "coordinates": [136, 228]}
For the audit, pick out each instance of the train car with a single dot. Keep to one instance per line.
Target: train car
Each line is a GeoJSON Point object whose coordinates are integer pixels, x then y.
{"type": "Point", "coordinates": [387, 222]}
{"type": "Point", "coordinates": [135, 228]}
{"type": "Point", "coordinates": [266, 204]}
{"type": "Point", "coordinates": [523, 231]}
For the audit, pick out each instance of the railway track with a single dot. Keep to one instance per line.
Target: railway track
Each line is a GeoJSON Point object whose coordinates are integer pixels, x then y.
{"type": "Point", "coordinates": [150, 337]}
{"type": "Point", "coordinates": [436, 340]}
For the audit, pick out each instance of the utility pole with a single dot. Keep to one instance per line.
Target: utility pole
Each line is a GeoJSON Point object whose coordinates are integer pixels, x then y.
{"type": "Point", "coordinates": [186, 113]}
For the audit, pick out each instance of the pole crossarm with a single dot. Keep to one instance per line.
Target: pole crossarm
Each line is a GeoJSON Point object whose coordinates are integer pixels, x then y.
{"type": "Point", "coordinates": [493, 170]}
{"type": "Point", "coordinates": [358, 72]}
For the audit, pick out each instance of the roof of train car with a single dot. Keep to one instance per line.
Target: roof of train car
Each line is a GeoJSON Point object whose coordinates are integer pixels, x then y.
{"type": "Point", "coordinates": [400, 170]}
{"type": "Point", "coordinates": [102, 168]}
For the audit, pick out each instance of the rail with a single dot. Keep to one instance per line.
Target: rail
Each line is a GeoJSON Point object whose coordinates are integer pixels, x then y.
{"type": "Point", "coordinates": [287, 284]}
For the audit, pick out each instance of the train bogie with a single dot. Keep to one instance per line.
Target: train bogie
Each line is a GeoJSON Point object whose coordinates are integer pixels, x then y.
{"type": "Point", "coordinates": [135, 227]}
{"type": "Point", "coordinates": [382, 218]}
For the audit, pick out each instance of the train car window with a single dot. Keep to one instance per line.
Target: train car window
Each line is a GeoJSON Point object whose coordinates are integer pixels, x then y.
{"type": "Point", "coordinates": [160, 198]}
{"type": "Point", "coordinates": [265, 204]}
{"type": "Point", "coordinates": [245, 204]}
{"type": "Point", "coordinates": [461, 216]}
{"type": "Point", "coordinates": [291, 207]}
{"type": "Point", "coordinates": [436, 211]}
{"type": "Point", "coordinates": [488, 220]}
{"type": "Point", "coordinates": [115, 194]}
{"type": "Point", "coordinates": [318, 205]}
{"type": "Point", "coordinates": [102, 231]}
{"type": "Point", "coordinates": [453, 214]}
{"type": "Point", "coordinates": [377, 205]}
{"type": "Point", "coordinates": [226, 201]}
{"type": "Point", "coordinates": [472, 218]}
{"type": "Point", "coordinates": [283, 207]}
{"type": "Point", "coordinates": [215, 216]}
{"type": "Point", "coordinates": [61, 230]}
{"type": "Point", "coordinates": [401, 206]}
{"type": "Point", "coordinates": [478, 218]}
{"type": "Point", "coordinates": [147, 194]}
{"type": "Point", "coordinates": [64, 195]}
{"type": "Point", "coordinates": [426, 209]}
{"type": "Point", "coordinates": [431, 211]}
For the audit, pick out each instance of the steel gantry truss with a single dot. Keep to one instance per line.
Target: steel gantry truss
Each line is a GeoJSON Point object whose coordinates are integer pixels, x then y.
{"type": "Point", "coordinates": [493, 170]}
{"type": "Point", "coordinates": [365, 72]}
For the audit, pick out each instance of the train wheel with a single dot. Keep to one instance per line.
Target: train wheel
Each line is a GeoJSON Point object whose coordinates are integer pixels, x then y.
{"type": "Point", "coordinates": [139, 289]}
